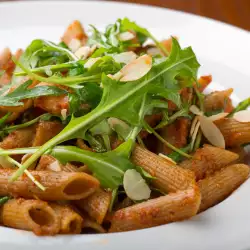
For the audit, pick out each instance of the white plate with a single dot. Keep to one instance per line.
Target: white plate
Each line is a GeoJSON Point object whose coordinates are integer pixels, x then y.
{"type": "Point", "coordinates": [223, 50]}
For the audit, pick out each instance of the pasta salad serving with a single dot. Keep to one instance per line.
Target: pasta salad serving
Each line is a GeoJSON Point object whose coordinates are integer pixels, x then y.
{"type": "Point", "coordinates": [111, 131]}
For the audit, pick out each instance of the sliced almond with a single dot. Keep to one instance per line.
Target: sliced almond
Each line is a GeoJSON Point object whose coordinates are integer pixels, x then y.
{"type": "Point", "coordinates": [195, 132]}
{"type": "Point", "coordinates": [64, 113]}
{"type": "Point", "coordinates": [217, 116]}
{"type": "Point", "coordinates": [194, 122]}
{"type": "Point", "coordinates": [211, 132]}
{"type": "Point", "coordinates": [74, 45]}
{"type": "Point", "coordinates": [154, 51]}
{"type": "Point", "coordinates": [136, 69]}
{"type": "Point", "coordinates": [135, 186]}
{"type": "Point", "coordinates": [126, 36]}
{"type": "Point", "coordinates": [55, 166]}
{"type": "Point", "coordinates": [91, 62]}
{"type": "Point", "coordinates": [242, 116]}
{"type": "Point", "coordinates": [83, 52]}
{"type": "Point", "coordinates": [125, 57]}
{"type": "Point", "coordinates": [167, 158]}
{"type": "Point", "coordinates": [195, 110]}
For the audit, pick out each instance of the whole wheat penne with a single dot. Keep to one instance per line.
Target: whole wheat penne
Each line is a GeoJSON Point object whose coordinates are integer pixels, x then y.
{"type": "Point", "coordinates": [219, 100]}
{"type": "Point", "coordinates": [90, 224]}
{"type": "Point", "coordinates": [165, 209]}
{"type": "Point", "coordinates": [31, 215]}
{"type": "Point", "coordinates": [70, 221]}
{"type": "Point", "coordinates": [169, 177]}
{"type": "Point", "coordinates": [45, 131]}
{"type": "Point", "coordinates": [217, 187]}
{"type": "Point", "coordinates": [96, 205]}
{"type": "Point", "coordinates": [235, 133]}
{"type": "Point", "coordinates": [19, 138]}
{"type": "Point", "coordinates": [208, 159]}
{"type": "Point", "coordinates": [59, 185]}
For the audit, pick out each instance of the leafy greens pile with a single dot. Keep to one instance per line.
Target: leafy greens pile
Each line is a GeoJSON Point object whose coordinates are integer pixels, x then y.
{"type": "Point", "coordinates": [106, 97]}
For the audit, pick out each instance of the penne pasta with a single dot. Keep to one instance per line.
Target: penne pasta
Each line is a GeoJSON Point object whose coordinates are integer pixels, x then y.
{"type": "Point", "coordinates": [169, 177]}
{"type": "Point", "coordinates": [90, 224]}
{"type": "Point", "coordinates": [219, 100]}
{"type": "Point", "coordinates": [96, 205]}
{"type": "Point", "coordinates": [31, 215]}
{"type": "Point", "coordinates": [70, 221]}
{"type": "Point", "coordinates": [235, 133]}
{"type": "Point", "coordinates": [45, 131]}
{"type": "Point", "coordinates": [19, 138]}
{"type": "Point", "coordinates": [207, 160]}
{"type": "Point", "coordinates": [217, 187]}
{"type": "Point", "coordinates": [173, 207]}
{"type": "Point", "coordinates": [59, 185]}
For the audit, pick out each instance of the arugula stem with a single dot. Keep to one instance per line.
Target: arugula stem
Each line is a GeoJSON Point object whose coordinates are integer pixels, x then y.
{"type": "Point", "coordinates": [27, 124]}
{"type": "Point", "coordinates": [160, 45]}
{"type": "Point", "coordinates": [140, 141]}
{"type": "Point", "coordinates": [68, 81]}
{"type": "Point", "coordinates": [200, 97]}
{"type": "Point", "coordinates": [32, 178]}
{"type": "Point", "coordinates": [241, 106]}
{"type": "Point", "coordinates": [95, 116]}
{"type": "Point", "coordinates": [43, 69]}
{"type": "Point", "coordinates": [4, 200]}
{"type": "Point", "coordinates": [197, 141]}
{"type": "Point", "coordinates": [4, 118]}
{"type": "Point", "coordinates": [150, 129]}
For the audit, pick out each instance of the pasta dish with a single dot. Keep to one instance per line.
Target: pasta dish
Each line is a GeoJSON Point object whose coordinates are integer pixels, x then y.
{"type": "Point", "coordinates": [113, 131]}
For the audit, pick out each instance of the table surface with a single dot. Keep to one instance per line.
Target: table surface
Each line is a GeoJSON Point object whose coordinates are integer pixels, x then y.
{"type": "Point", "coordinates": [235, 12]}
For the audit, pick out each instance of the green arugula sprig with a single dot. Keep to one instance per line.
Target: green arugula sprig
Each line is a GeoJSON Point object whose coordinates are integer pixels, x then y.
{"type": "Point", "coordinates": [123, 100]}
{"type": "Point", "coordinates": [23, 92]}
{"type": "Point", "coordinates": [241, 106]}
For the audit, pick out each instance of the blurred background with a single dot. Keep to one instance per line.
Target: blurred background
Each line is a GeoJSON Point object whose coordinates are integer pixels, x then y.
{"type": "Point", "coordinates": [235, 12]}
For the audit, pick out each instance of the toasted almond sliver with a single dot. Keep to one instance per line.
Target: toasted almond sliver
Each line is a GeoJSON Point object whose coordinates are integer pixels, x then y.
{"type": "Point", "coordinates": [135, 186]}
{"type": "Point", "coordinates": [125, 57]}
{"type": "Point", "coordinates": [195, 132]}
{"type": "Point", "coordinates": [194, 122]}
{"type": "Point", "coordinates": [55, 166]}
{"type": "Point", "coordinates": [211, 132]}
{"type": "Point", "coordinates": [126, 36]}
{"type": "Point", "coordinates": [74, 44]}
{"type": "Point", "coordinates": [242, 116]}
{"type": "Point", "coordinates": [154, 51]}
{"type": "Point", "coordinates": [195, 110]}
{"type": "Point", "coordinates": [217, 116]}
{"type": "Point", "coordinates": [167, 158]}
{"type": "Point", "coordinates": [136, 69]}
{"type": "Point", "coordinates": [91, 62]}
{"type": "Point", "coordinates": [83, 52]}
{"type": "Point", "coordinates": [64, 113]}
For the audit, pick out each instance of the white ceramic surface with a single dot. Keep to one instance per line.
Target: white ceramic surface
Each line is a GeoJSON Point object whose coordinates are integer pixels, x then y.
{"type": "Point", "coordinates": [223, 51]}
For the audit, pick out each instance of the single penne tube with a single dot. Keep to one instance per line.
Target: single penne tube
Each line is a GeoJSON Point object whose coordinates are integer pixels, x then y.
{"type": "Point", "coordinates": [59, 185]}
{"type": "Point", "coordinates": [165, 209]}
{"type": "Point", "coordinates": [219, 186]}
{"type": "Point", "coordinates": [235, 133]}
{"type": "Point", "coordinates": [96, 205]}
{"type": "Point", "coordinates": [169, 177]}
{"type": "Point", "coordinates": [70, 221]}
{"type": "Point", "coordinates": [207, 160]}
{"type": "Point", "coordinates": [218, 100]}
{"type": "Point", "coordinates": [91, 225]}
{"type": "Point", "coordinates": [31, 215]}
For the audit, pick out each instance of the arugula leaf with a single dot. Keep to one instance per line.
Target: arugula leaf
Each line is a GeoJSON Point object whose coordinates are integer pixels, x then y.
{"type": "Point", "coordinates": [23, 92]}
{"type": "Point", "coordinates": [44, 117]}
{"type": "Point", "coordinates": [108, 167]}
{"type": "Point", "coordinates": [176, 156]}
{"type": "Point", "coordinates": [241, 106]}
{"type": "Point", "coordinates": [143, 33]}
{"type": "Point", "coordinates": [89, 94]}
{"type": "Point", "coordinates": [4, 200]}
{"type": "Point", "coordinates": [123, 100]}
